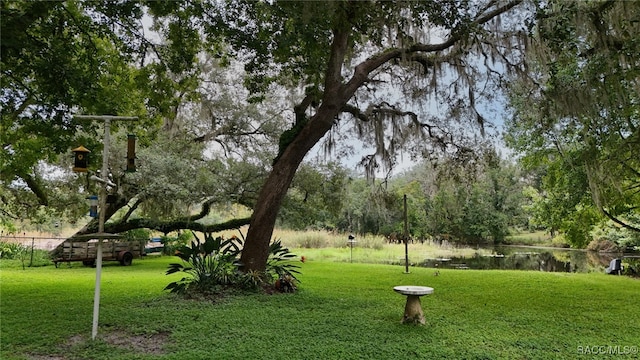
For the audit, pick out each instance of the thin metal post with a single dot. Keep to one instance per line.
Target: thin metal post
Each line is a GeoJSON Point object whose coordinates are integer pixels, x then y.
{"type": "Point", "coordinates": [32, 246]}
{"type": "Point", "coordinates": [406, 237]}
{"type": "Point", "coordinates": [102, 209]}
{"type": "Point", "coordinates": [352, 240]}
{"type": "Point", "coordinates": [101, 219]}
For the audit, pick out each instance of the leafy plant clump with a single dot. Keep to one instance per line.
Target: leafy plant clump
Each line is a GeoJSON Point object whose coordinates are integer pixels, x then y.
{"type": "Point", "coordinates": [213, 266]}
{"type": "Point", "coordinates": [172, 244]}
{"type": "Point", "coordinates": [17, 255]}
{"type": "Point", "coordinates": [280, 267]}
{"type": "Point", "coordinates": [10, 250]}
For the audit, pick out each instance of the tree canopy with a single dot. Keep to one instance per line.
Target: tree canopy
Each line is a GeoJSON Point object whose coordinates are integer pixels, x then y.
{"type": "Point", "coordinates": [577, 119]}
{"type": "Point", "coordinates": [66, 58]}
{"type": "Point", "coordinates": [61, 58]}
{"type": "Point", "coordinates": [375, 63]}
{"type": "Point", "coordinates": [401, 76]}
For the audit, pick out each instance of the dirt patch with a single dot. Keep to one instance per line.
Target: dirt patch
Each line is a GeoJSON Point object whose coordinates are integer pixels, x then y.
{"type": "Point", "coordinates": [152, 344]}
{"type": "Point", "coordinates": [75, 340]}
{"type": "Point", "coordinates": [146, 343]}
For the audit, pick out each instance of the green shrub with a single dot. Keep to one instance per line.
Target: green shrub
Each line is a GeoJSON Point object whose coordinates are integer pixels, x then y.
{"type": "Point", "coordinates": [137, 234]}
{"type": "Point", "coordinates": [214, 265]}
{"type": "Point", "coordinates": [602, 245]}
{"type": "Point", "coordinates": [622, 237]}
{"type": "Point", "coordinates": [560, 241]}
{"type": "Point", "coordinates": [211, 265]}
{"type": "Point", "coordinates": [631, 267]}
{"type": "Point", "coordinates": [40, 258]}
{"type": "Point", "coordinates": [10, 250]}
{"type": "Point", "coordinates": [23, 255]}
{"type": "Point", "coordinates": [172, 244]}
{"type": "Point", "coordinates": [280, 267]}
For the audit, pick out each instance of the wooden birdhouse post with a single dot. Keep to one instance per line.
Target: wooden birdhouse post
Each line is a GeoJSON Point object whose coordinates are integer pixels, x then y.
{"type": "Point", "coordinates": [131, 153]}
{"type": "Point", "coordinates": [80, 159]}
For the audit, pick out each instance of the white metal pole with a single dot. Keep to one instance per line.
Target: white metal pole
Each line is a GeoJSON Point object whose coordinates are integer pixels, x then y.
{"type": "Point", "coordinates": [102, 209]}
{"type": "Point", "coordinates": [101, 220]}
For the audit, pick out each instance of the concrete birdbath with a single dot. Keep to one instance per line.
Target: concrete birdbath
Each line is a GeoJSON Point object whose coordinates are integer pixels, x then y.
{"type": "Point", "coordinates": [413, 310]}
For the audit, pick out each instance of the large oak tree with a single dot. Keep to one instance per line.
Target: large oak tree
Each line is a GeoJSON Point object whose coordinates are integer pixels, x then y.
{"type": "Point", "coordinates": [379, 64]}
{"type": "Point", "coordinates": [396, 75]}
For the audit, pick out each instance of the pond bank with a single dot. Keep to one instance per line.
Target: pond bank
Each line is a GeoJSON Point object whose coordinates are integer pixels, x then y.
{"type": "Point", "coordinates": [549, 259]}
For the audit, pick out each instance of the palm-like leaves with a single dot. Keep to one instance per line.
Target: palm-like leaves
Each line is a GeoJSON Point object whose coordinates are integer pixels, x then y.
{"type": "Point", "coordinates": [214, 263]}
{"type": "Point", "coordinates": [210, 263]}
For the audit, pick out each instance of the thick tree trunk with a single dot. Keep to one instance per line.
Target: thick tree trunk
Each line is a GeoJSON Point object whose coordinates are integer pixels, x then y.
{"type": "Point", "coordinates": [256, 247]}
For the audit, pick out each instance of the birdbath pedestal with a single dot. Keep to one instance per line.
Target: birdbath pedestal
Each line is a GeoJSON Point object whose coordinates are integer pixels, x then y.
{"type": "Point", "coordinates": [413, 310]}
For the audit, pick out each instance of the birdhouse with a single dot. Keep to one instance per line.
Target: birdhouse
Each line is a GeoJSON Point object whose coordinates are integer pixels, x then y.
{"type": "Point", "coordinates": [80, 159]}
{"type": "Point", "coordinates": [131, 153]}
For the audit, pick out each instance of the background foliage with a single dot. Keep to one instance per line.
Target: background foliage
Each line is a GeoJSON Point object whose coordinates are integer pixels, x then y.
{"type": "Point", "coordinates": [215, 95]}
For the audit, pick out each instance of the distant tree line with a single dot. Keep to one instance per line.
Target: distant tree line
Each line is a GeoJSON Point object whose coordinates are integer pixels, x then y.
{"type": "Point", "coordinates": [470, 202]}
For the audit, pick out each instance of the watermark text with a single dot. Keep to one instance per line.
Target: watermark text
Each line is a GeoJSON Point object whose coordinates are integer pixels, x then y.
{"type": "Point", "coordinates": [607, 350]}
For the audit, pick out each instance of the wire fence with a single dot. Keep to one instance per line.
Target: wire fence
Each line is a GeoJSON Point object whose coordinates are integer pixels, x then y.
{"type": "Point", "coordinates": [25, 247]}
{"type": "Point", "coordinates": [35, 242]}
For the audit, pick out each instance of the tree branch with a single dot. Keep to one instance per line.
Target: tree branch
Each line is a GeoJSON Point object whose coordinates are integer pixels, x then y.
{"type": "Point", "coordinates": [35, 187]}
{"type": "Point", "coordinates": [333, 78]}
{"type": "Point", "coordinates": [170, 226]}
{"type": "Point", "coordinates": [132, 209]}
{"type": "Point", "coordinates": [355, 112]}
{"type": "Point", "coordinates": [498, 11]}
{"type": "Point", "coordinates": [619, 222]}
{"type": "Point", "coordinates": [630, 168]}
{"type": "Point", "coordinates": [164, 227]}
{"type": "Point", "coordinates": [363, 69]}
{"type": "Point", "coordinates": [206, 208]}
{"type": "Point", "coordinates": [301, 108]}
{"type": "Point", "coordinates": [226, 130]}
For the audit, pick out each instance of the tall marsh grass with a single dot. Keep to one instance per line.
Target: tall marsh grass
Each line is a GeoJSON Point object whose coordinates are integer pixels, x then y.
{"type": "Point", "coordinates": [316, 239]}
{"type": "Point", "coordinates": [308, 240]}
{"type": "Point", "coordinates": [324, 239]}
{"type": "Point", "coordinates": [373, 249]}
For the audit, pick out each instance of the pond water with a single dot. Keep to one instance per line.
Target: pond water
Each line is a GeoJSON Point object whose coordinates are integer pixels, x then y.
{"type": "Point", "coordinates": [535, 258]}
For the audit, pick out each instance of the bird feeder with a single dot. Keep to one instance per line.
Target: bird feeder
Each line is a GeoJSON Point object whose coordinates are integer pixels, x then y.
{"type": "Point", "coordinates": [93, 206]}
{"type": "Point", "coordinates": [131, 153]}
{"type": "Point", "coordinates": [80, 159]}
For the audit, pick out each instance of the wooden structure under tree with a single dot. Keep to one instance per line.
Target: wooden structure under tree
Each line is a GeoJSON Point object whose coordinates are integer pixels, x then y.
{"type": "Point", "coordinates": [86, 251]}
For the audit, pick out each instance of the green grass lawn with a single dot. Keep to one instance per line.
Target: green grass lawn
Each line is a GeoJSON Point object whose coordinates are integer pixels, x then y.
{"type": "Point", "coordinates": [341, 311]}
